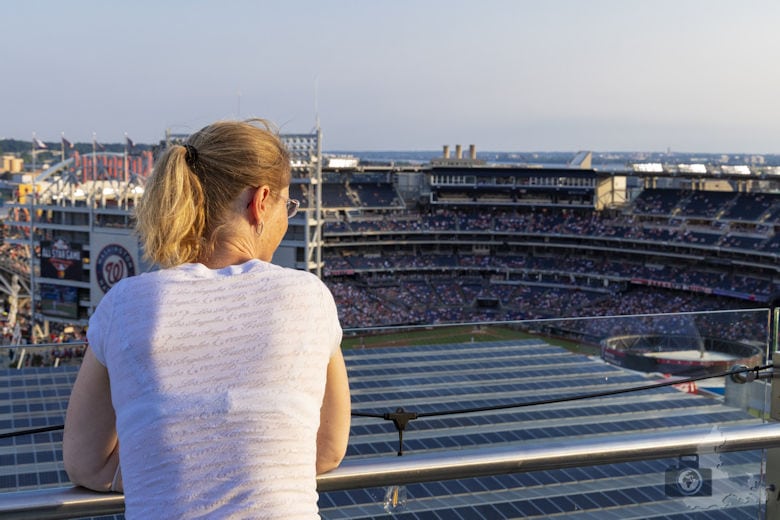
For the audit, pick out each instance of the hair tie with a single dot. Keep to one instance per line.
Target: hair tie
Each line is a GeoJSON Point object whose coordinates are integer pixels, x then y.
{"type": "Point", "coordinates": [190, 156]}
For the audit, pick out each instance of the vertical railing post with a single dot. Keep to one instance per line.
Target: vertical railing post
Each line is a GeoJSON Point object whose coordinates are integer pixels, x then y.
{"type": "Point", "coordinates": [773, 454]}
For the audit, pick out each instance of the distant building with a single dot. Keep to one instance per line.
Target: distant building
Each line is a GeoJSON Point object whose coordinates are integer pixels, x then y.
{"type": "Point", "coordinates": [12, 163]}
{"type": "Point", "coordinates": [458, 161]}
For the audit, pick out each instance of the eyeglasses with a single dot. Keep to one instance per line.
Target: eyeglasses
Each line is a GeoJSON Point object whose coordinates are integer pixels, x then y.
{"type": "Point", "coordinates": [292, 207]}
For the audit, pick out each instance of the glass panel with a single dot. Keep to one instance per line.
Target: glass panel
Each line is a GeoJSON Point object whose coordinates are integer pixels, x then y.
{"type": "Point", "coordinates": [493, 385]}
{"type": "Point", "coordinates": [545, 367]}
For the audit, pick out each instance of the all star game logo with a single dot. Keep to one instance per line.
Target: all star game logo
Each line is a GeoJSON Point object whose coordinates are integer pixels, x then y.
{"type": "Point", "coordinates": [114, 262]}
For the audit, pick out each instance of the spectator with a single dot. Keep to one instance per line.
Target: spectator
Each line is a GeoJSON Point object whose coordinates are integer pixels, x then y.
{"type": "Point", "coordinates": [221, 374]}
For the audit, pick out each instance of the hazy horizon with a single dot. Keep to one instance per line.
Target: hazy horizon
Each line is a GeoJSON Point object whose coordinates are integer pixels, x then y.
{"type": "Point", "coordinates": [696, 76]}
{"type": "Point", "coordinates": [55, 149]}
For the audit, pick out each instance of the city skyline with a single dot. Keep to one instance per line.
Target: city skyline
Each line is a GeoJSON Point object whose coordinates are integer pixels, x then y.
{"type": "Point", "coordinates": [608, 75]}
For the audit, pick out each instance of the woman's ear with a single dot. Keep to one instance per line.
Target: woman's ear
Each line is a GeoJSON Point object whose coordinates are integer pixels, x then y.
{"type": "Point", "coordinates": [259, 201]}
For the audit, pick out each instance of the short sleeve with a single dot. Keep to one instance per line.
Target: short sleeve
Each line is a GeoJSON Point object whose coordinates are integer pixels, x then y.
{"type": "Point", "coordinates": [99, 324]}
{"type": "Point", "coordinates": [332, 316]}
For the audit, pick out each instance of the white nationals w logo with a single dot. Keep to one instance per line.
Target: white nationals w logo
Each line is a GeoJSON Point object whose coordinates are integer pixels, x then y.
{"type": "Point", "coordinates": [114, 262]}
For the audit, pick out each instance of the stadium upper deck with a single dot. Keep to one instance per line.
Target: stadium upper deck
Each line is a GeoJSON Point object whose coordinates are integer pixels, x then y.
{"type": "Point", "coordinates": [493, 235]}
{"type": "Point", "coordinates": [470, 243]}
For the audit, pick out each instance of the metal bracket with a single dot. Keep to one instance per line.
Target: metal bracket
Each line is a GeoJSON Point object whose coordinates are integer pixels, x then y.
{"type": "Point", "coordinates": [743, 374]}
{"type": "Point", "coordinates": [400, 419]}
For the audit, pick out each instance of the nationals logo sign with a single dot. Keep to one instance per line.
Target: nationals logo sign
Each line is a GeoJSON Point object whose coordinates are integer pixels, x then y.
{"type": "Point", "coordinates": [114, 262]}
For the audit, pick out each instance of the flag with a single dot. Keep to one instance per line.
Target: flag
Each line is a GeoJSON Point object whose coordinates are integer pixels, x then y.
{"type": "Point", "coordinates": [99, 147]}
{"type": "Point", "coordinates": [37, 143]}
{"type": "Point", "coordinates": [66, 143]}
{"type": "Point", "coordinates": [130, 142]}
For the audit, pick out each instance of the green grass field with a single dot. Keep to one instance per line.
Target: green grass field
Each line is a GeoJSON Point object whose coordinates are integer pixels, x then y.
{"type": "Point", "coordinates": [454, 334]}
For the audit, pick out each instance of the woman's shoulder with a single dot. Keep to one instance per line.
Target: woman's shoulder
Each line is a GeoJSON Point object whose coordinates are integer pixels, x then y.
{"type": "Point", "coordinates": [148, 281]}
{"type": "Point", "coordinates": [282, 272]}
{"type": "Point", "coordinates": [302, 281]}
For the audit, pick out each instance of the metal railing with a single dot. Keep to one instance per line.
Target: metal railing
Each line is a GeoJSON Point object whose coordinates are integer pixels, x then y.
{"type": "Point", "coordinates": [74, 502]}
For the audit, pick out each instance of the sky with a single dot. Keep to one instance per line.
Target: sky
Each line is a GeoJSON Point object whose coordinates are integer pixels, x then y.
{"type": "Point", "coordinates": [505, 75]}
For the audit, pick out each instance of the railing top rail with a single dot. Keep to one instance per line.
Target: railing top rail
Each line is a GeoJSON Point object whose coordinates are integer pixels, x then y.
{"type": "Point", "coordinates": [63, 503]}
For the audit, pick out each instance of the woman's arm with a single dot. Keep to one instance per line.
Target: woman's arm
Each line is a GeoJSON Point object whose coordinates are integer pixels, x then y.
{"type": "Point", "coordinates": [90, 448]}
{"type": "Point", "coordinates": [334, 416]}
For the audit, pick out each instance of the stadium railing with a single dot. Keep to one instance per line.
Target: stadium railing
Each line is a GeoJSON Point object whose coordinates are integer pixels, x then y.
{"type": "Point", "coordinates": [75, 502]}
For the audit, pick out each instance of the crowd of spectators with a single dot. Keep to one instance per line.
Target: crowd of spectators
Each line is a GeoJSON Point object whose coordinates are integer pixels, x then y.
{"type": "Point", "coordinates": [14, 259]}
{"type": "Point", "coordinates": [63, 345]}
{"type": "Point", "coordinates": [591, 223]}
{"type": "Point", "coordinates": [427, 284]}
{"type": "Point", "coordinates": [435, 300]}
{"type": "Point", "coordinates": [746, 207]}
{"type": "Point", "coordinates": [441, 285]}
{"type": "Point", "coordinates": [579, 271]}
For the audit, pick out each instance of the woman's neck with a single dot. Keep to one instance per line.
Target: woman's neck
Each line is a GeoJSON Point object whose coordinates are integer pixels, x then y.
{"type": "Point", "coordinates": [226, 254]}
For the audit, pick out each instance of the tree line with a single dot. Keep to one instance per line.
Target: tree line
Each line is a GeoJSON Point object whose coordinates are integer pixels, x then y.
{"type": "Point", "coordinates": [24, 148]}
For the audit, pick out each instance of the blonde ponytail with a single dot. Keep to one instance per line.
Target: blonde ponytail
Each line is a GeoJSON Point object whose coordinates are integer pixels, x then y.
{"type": "Point", "coordinates": [171, 214]}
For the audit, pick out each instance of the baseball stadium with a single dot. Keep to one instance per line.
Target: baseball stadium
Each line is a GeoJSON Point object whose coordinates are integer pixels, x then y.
{"type": "Point", "coordinates": [522, 340]}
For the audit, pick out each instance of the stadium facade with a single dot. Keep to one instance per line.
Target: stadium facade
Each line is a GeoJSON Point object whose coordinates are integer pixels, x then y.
{"type": "Point", "coordinates": [485, 238]}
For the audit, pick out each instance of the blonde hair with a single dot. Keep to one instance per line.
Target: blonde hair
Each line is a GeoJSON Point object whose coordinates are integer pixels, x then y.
{"type": "Point", "coordinates": [193, 187]}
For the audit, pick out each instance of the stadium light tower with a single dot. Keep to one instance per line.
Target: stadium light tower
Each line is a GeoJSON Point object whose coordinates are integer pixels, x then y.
{"type": "Point", "coordinates": [302, 246]}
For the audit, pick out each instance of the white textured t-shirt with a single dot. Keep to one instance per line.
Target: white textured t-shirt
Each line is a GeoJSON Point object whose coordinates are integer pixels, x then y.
{"type": "Point", "coordinates": [217, 378]}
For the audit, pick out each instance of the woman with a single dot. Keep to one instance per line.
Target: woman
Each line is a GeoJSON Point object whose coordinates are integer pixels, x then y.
{"type": "Point", "coordinates": [217, 381]}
